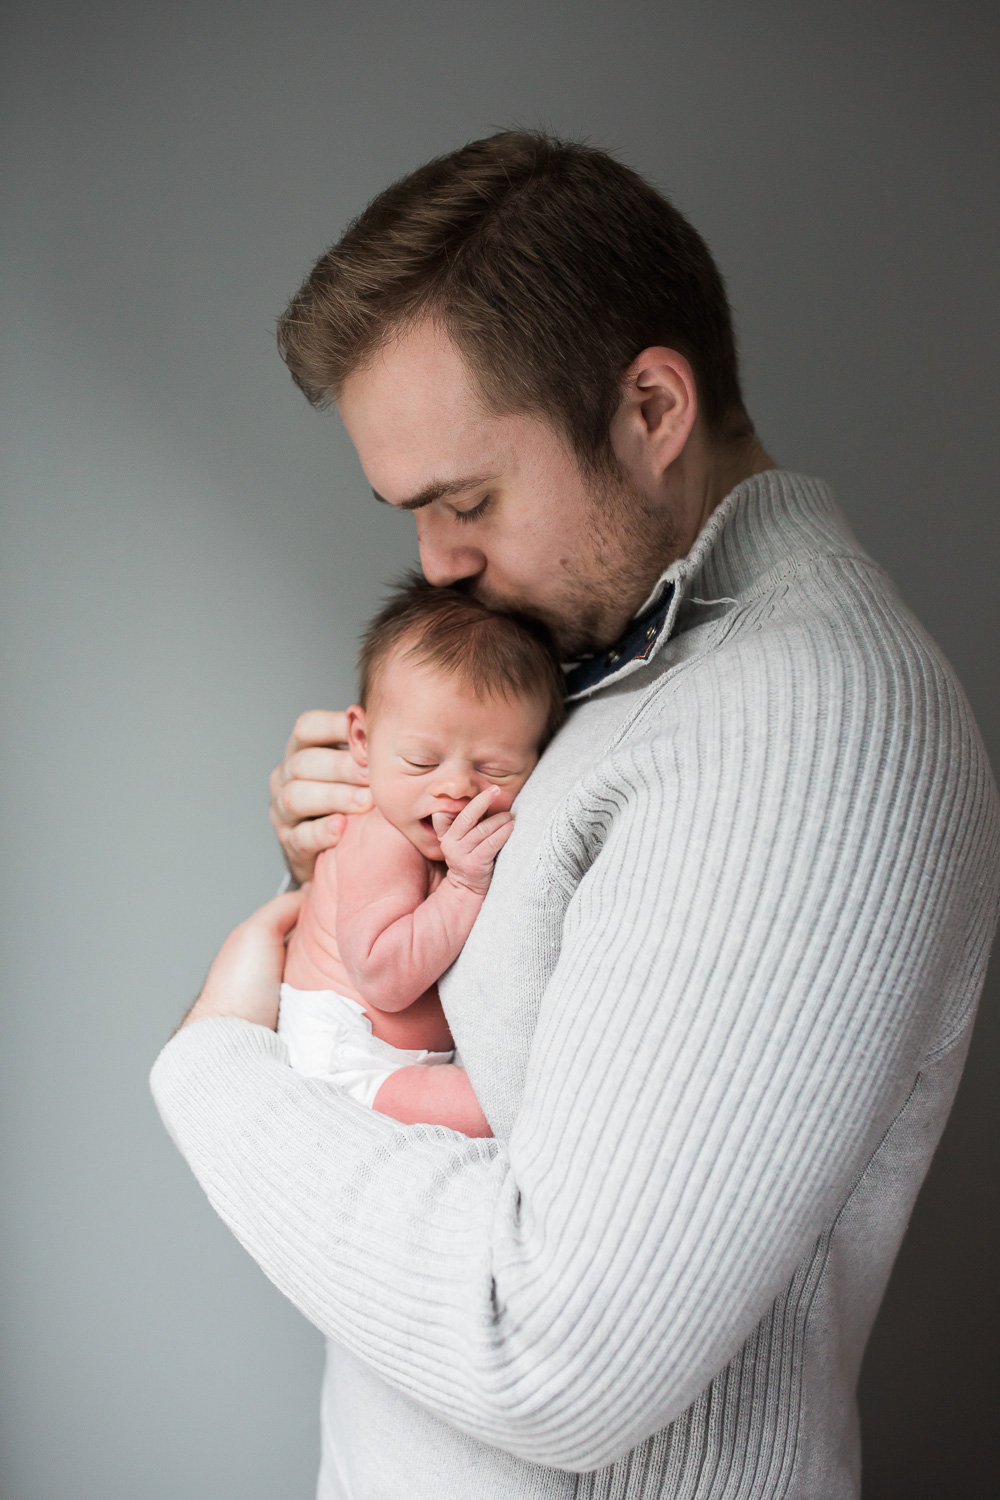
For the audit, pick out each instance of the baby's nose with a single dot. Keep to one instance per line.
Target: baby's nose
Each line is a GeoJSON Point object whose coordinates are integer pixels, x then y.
{"type": "Point", "coordinates": [459, 786]}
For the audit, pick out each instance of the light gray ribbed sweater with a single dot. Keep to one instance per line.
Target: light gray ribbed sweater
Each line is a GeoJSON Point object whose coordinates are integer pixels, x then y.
{"type": "Point", "coordinates": [715, 1008]}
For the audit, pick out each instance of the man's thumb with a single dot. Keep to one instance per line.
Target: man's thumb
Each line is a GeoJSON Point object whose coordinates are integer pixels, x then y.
{"type": "Point", "coordinates": [281, 914]}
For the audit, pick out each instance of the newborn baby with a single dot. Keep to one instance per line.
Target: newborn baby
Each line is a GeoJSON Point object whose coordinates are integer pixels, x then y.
{"type": "Point", "coordinates": [456, 704]}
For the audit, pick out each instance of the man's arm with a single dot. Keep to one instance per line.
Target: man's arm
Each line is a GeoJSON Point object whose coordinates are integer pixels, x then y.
{"type": "Point", "coordinates": [395, 939]}
{"type": "Point", "coordinates": [243, 981]}
{"type": "Point", "coordinates": [748, 970]}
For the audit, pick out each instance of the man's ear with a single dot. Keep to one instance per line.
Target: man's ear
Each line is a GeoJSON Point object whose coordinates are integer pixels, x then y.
{"type": "Point", "coordinates": [357, 734]}
{"type": "Point", "coordinates": [657, 411]}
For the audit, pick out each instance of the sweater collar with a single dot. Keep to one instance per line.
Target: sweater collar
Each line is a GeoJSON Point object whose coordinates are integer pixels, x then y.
{"type": "Point", "coordinates": [766, 521]}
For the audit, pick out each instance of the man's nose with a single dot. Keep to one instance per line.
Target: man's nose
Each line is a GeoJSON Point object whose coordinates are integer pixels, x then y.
{"type": "Point", "coordinates": [444, 558]}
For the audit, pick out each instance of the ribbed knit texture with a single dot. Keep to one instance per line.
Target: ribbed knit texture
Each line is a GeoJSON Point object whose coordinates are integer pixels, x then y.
{"type": "Point", "coordinates": [715, 1008]}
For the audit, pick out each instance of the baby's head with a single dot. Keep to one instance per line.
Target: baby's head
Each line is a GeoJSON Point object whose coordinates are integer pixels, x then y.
{"type": "Point", "coordinates": [454, 698]}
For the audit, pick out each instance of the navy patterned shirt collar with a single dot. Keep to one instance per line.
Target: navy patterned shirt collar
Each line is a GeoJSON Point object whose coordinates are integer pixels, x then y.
{"type": "Point", "coordinates": [636, 645]}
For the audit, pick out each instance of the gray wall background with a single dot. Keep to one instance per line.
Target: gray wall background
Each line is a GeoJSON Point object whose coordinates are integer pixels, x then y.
{"type": "Point", "coordinates": [188, 552]}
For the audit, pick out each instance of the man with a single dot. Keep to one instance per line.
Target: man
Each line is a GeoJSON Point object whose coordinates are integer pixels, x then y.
{"type": "Point", "coordinates": [717, 1001]}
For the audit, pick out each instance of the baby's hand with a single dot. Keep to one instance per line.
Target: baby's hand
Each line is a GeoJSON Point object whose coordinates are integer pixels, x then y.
{"type": "Point", "coordinates": [473, 840]}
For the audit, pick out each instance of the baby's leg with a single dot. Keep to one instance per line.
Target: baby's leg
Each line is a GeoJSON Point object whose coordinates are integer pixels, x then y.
{"type": "Point", "coordinates": [440, 1095]}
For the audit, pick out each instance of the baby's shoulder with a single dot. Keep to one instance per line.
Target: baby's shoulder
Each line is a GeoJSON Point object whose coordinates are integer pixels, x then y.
{"type": "Point", "coordinates": [370, 838]}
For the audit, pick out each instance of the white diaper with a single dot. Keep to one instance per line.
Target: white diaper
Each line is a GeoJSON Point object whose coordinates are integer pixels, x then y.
{"type": "Point", "coordinates": [329, 1036]}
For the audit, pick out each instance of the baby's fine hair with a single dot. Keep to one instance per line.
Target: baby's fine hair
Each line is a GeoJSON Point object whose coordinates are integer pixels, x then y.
{"type": "Point", "coordinates": [498, 655]}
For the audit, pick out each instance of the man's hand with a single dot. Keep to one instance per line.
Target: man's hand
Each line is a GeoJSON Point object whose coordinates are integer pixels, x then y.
{"type": "Point", "coordinates": [316, 784]}
{"type": "Point", "coordinates": [245, 977]}
{"type": "Point", "coordinates": [471, 841]}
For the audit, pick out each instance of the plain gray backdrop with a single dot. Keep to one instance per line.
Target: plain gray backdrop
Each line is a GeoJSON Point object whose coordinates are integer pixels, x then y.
{"type": "Point", "coordinates": [189, 552]}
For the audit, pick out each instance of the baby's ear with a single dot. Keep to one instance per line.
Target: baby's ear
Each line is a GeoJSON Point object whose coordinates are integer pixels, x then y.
{"type": "Point", "coordinates": [357, 734]}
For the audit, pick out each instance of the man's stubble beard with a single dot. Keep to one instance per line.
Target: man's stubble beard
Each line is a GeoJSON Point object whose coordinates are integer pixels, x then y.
{"type": "Point", "coordinates": [634, 543]}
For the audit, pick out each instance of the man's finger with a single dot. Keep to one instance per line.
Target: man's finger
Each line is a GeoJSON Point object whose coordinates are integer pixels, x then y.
{"type": "Point", "coordinates": [326, 765]}
{"type": "Point", "coordinates": [314, 835]}
{"type": "Point", "coordinates": [316, 764]}
{"type": "Point", "coordinates": [279, 915]}
{"type": "Point", "coordinates": [318, 726]}
{"type": "Point", "coordinates": [318, 799]}
{"type": "Point", "coordinates": [302, 844]}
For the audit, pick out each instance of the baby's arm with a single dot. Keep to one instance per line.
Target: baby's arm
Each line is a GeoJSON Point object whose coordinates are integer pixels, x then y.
{"type": "Point", "coordinates": [395, 939]}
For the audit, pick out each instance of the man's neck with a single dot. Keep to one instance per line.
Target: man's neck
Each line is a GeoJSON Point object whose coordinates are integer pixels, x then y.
{"type": "Point", "coordinates": [714, 473]}
{"type": "Point", "coordinates": [701, 479]}
{"type": "Point", "coordinates": [658, 519]}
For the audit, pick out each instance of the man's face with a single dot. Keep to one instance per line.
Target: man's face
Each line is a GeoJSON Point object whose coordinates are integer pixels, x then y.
{"type": "Point", "coordinates": [500, 502]}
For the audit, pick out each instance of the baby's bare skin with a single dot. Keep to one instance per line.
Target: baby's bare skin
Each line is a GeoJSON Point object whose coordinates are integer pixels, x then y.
{"type": "Point", "coordinates": [390, 908]}
{"type": "Point", "coordinates": [369, 846]}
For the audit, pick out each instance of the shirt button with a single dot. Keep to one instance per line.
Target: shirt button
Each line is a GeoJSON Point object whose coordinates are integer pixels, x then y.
{"type": "Point", "coordinates": [613, 656]}
{"type": "Point", "coordinates": [650, 632]}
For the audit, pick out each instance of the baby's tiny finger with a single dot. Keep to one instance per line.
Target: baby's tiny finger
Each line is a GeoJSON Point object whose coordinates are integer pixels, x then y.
{"type": "Point", "coordinates": [486, 826]}
{"type": "Point", "coordinates": [491, 846]}
{"type": "Point", "coordinates": [474, 810]}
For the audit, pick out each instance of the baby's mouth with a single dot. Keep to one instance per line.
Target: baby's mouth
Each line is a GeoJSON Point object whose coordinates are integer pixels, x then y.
{"type": "Point", "coordinates": [428, 823]}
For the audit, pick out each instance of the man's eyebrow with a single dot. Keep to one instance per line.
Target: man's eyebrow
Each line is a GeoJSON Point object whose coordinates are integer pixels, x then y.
{"type": "Point", "coordinates": [441, 490]}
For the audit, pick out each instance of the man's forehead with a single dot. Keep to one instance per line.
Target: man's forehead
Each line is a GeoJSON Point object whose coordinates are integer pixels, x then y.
{"type": "Point", "coordinates": [416, 422]}
{"type": "Point", "coordinates": [416, 378]}
{"type": "Point", "coordinates": [421, 430]}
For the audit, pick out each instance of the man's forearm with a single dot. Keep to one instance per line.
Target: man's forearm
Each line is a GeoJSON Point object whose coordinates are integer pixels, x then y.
{"type": "Point", "coordinates": [243, 982]}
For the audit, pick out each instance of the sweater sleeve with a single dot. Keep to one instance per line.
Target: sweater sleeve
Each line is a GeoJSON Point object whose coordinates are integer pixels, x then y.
{"type": "Point", "coordinates": [764, 900]}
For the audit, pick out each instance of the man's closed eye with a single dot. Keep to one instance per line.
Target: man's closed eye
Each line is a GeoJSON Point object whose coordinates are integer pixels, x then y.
{"type": "Point", "coordinates": [476, 512]}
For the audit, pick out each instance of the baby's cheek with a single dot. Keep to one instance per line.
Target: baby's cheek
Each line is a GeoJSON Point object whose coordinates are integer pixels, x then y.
{"type": "Point", "coordinates": [508, 793]}
{"type": "Point", "coordinates": [400, 800]}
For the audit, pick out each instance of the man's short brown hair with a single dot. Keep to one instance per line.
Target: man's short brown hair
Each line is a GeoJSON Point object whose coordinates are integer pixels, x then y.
{"type": "Point", "coordinates": [497, 655]}
{"type": "Point", "coordinates": [550, 264]}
